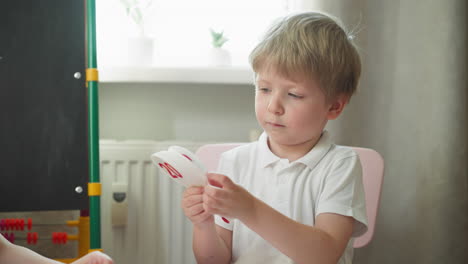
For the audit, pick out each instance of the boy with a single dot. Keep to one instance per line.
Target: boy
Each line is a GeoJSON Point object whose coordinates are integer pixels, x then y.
{"type": "Point", "coordinates": [10, 253]}
{"type": "Point", "coordinates": [293, 196]}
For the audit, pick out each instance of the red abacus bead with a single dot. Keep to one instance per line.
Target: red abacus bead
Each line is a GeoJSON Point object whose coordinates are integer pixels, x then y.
{"type": "Point", "coordinates": [35, 237]}
{"type": "Point", "coordinates": [21, 224]}
{"type": "Point", "coordinates": [12, 238]}
{"type": "Point", "coordinates": [2, 224]}
{"type": "Point", "coordinates": [57, 237]}
{"type": "Point", "coordinates": [29, 223]}
{"type": "Point", "coordinates": [64, 238]}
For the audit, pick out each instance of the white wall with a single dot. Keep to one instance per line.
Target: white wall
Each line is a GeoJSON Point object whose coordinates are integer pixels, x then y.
{"type": "Point", "coordinates": [198, 112]}
{"type": "Point", "coordinates": [412, 108]}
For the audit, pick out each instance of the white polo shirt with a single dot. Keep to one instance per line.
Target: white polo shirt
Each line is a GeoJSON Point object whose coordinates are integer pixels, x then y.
{"type": "Point", "coordinates": [328, 179]}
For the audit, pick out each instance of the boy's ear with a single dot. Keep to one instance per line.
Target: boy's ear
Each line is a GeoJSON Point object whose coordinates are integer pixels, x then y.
{"type": "Point", "coordinates": [337, 106]}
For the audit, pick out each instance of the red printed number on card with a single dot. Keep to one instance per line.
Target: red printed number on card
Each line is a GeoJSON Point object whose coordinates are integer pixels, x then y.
{"type": "Point", "coordinates": [173, 172]}
{"type": "Point", "coordinates": [187, 157]}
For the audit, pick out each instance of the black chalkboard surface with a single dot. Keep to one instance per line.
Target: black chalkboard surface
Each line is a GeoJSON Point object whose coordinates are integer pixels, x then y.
{"type": "Point", "coordinates": [43, 116]}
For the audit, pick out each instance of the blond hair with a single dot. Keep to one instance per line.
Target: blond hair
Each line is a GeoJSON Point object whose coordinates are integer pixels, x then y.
{"type": "Point", "coordinates": [314, 46]}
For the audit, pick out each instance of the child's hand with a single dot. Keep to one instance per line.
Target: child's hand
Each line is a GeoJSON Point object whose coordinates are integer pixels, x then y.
{"type": "Point", "coordinates": [229, 200]}
{"type": "Point", "coordinates": [192, 204]}
{"type": "Point", "coordinates": [94, 257]}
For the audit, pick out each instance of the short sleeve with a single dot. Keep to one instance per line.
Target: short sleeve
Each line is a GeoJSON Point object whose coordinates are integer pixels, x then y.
{"type": "Point", "coordinates": [343, 192]}
{"type": "Point", "coordinates": [225, 167]}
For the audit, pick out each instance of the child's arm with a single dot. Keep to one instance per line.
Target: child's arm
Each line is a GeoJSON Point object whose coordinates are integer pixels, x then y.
{"type": "Point", "coordinates": [10, 253]}
{"type": "Point", "coordinates": [211, 243]}
{"type": "Point", "coordinates": [322, 243]}
{"type": "Point", "coordinates": [94, 257]}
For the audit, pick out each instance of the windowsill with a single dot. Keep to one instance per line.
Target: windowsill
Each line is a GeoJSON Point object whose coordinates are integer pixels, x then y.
{"type": "Point", "coordinates": [218, 75]}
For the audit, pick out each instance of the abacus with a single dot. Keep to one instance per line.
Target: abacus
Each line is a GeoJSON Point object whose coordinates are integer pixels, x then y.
{"type": "Point", "coordinates": [9, 227]}
{"type": "Point", "coordinates": [32, 237]}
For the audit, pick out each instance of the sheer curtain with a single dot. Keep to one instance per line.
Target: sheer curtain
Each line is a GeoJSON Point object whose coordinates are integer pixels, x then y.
{"type": "Point", "coordinates": [412, 108]}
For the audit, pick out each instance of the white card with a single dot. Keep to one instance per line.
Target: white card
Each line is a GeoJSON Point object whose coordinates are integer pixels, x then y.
{"type": "Point", "coordinates": [180, 167]}
{"type": "Point", "coordinates": [183, 167]}
{"type": "Point", "coordinates": [189, 155]}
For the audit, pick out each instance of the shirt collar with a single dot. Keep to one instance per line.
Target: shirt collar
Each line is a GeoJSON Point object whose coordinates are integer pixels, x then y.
{"type": "Point", "coordinates": [266, 156]}
{"type": "Point", "coordinates": [315, 155]}
{"type": "Point", "coordinates": [311, 159]}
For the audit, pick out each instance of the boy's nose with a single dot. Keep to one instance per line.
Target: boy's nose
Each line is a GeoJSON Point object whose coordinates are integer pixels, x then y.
{"type": "Point", "coordinates": [275, 106]}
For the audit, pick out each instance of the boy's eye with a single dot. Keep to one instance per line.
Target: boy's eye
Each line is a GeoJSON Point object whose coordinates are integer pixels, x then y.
{"type": "Point", "coordinates": [295, 95]}
{"type": "Point", "coordinates": [265, 90]}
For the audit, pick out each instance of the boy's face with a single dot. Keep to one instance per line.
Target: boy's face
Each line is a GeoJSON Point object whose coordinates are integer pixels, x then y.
{"type": "Point", "coordinates": [292, 113]}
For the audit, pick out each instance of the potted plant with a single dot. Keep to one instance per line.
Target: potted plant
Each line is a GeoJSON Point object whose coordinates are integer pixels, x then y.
{"type": "Point", "coordinates": [218, 55]}
{"type": "Point", "coordinates": [139, 46]}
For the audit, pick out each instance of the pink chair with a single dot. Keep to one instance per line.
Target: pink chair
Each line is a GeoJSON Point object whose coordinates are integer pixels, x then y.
{"type": "Point", "coordinates": [372, 172]}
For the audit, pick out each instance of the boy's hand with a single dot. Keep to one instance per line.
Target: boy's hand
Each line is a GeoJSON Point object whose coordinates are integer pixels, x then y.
{"type": "Point", "coordinates": [229, 199]}
{"type": "Point", "coordinates": [192, 204]}
{"type": "Point", "coordinates": [94, 257]}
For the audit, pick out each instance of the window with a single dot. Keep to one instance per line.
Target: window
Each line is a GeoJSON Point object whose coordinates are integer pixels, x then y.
{"type": "Point", "coordinates": [180, 29]}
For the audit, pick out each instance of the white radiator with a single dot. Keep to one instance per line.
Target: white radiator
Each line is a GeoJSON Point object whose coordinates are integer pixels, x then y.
{"type": "Point", "coordinates": [157, 231]}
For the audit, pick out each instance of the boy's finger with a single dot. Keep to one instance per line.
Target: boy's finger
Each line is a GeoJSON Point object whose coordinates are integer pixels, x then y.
{"type": "Point", "coordinates": [210, 205]}
{"type": "Point", "coordinates": [202, 217]}
{"type": "Point", "coordinates": [193, 190]}
{"type": "Point", "coordinates": [191, 200]}
{"type": "Point", "coordinates": [196, 210]}
{"type": "Point", "coordinates": [215, 193]}
{"type": "Point", "coordinates": [219, 180]}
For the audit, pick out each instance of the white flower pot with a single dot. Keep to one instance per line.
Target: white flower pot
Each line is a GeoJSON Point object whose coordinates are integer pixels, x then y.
{"type": "Point", "coordinates": [219, 57]}
{"type": "Point", "coordinates": [139, 51]}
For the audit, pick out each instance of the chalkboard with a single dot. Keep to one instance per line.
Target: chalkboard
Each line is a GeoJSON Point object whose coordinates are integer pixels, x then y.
{"type": "Point", "coordinates": [43, 107]}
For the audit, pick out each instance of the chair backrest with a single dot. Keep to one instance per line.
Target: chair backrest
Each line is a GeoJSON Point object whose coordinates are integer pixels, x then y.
{"type": "Point", "coordinates": [372, 172]}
